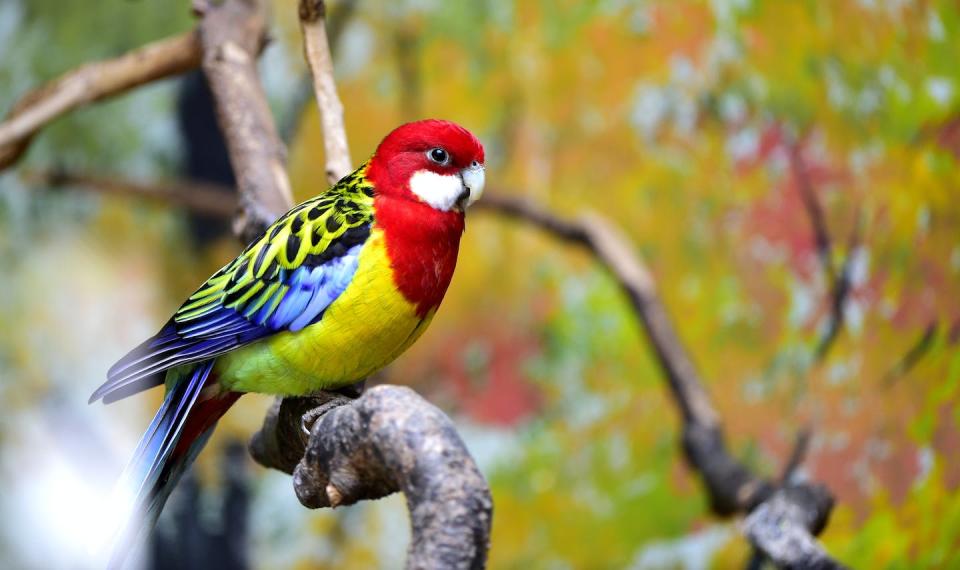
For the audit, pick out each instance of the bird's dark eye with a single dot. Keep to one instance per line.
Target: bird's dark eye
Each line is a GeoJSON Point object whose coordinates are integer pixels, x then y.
{"type": "Point", "coordinates": [438, 155]}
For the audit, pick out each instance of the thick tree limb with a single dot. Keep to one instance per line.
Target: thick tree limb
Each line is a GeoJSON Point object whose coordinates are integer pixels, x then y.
{"type": "Point", "coordinates": [91, 83]}
{"type": "Point", "coordinates": [231, 34]}
{"type": "Point", "coordinates": [388, 440]}
{"type": "Point", "coordinates": [317, 51]}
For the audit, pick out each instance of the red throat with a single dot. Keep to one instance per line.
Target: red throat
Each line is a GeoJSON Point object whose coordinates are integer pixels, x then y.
{"type": "Point", "coordinates": [422, 244]}
{"type": "Point", "coordinates": [422, 240]}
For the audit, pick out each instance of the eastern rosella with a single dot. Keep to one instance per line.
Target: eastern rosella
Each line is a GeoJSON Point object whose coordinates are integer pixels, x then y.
{"type": "Point", "coordinates": [333, 291]}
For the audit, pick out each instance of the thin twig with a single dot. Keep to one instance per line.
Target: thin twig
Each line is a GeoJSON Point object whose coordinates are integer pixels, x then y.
{"type": "Point", "coordinates": [317, 51]}
{"type": "Point", "coordinates": [303, 93]}
{"type": "Point", "coordinates": [914, 354]}
{"type": "Point", "coordinates": [839, 279]}
{"type": "Point", "coordinates": [800, 448]}
{"type": "Point", "coordinates": [232, 34]}
{"type": "Point", "coordinates": [91, 83]}
{"type": "Point", "coordinates": [839, 292]}
{"type": "Point", "coordinates": [199, 197]}
{"type": "Point", "coordinates": [811, 204]}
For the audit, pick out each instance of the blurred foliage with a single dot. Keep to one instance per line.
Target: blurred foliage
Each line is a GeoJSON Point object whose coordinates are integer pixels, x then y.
{"type": "Point", "coordinates": [672, 118]}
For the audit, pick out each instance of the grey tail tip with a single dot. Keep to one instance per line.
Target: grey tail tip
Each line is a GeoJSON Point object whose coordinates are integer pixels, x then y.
{"type": "Point", "coordinates": [94, 397]}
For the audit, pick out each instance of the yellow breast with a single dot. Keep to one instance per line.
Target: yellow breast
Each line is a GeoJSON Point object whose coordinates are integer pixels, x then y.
{"type": "Point", "coordinates": [364, 329]}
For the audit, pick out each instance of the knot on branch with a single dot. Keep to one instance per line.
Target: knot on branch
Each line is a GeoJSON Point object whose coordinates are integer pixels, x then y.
{"type": "Point", "coordinates": [312, 10]}
{"type": "Point", "coordinates": [388, 440]}
{"type": "Point", "coordinates": [784, 525]}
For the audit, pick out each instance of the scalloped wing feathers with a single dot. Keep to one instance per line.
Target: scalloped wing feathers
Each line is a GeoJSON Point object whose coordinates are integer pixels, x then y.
{"type": "Point", "coordinates": [283, 281]}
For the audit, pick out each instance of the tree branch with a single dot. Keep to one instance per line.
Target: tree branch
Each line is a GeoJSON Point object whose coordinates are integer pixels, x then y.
{"type": "Point", "coordinates": [91, 83]}
{"type": "Point", "coordinates": [781, 527]}
{"type": "Point", "coordinates": [388, 440]}
{"type": "Point", "coordinates": [797, 511]}
{"type": "Point", "coordinates": [199, 197]}
{"type": "Point", "coordinates": [303, 93]}
{"type": "Point", "coordinates": [317, 51]}
{"type": "Point", "coordinates": [818, 222]}
{"type": "Point", "coordinates": [232, 34]}
{"type": "Point", "coordinates": [839, 279]}
{"type": "Point", "coordinates": [914, 354]}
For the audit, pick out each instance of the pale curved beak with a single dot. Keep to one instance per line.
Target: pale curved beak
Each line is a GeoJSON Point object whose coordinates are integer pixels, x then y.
{"type": "Point", "coordinates": [473, 178]}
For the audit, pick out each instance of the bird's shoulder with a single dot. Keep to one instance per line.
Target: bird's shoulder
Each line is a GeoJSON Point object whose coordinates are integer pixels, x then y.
{"type": "Point", "coordinates": [315, 233]}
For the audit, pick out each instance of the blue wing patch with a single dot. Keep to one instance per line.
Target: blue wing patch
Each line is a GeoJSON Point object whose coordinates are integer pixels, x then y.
{"type": "Point", "coordinates": [246, 308]}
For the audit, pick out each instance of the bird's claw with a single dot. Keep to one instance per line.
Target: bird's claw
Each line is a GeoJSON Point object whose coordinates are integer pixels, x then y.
{"type": "Point", "coordinates": [311, 416]}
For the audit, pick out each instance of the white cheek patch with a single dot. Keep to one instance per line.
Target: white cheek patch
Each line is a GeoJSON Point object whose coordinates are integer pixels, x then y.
{"type": "Point", "coordinates": [439, 190]}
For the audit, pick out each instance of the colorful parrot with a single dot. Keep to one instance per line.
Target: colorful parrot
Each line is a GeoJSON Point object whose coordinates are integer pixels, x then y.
{"type": "Point", "coordinates": [333, 291]}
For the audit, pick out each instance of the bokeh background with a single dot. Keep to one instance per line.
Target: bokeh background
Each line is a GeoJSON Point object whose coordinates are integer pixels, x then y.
{"type": "Point", "coordinates": [683, 121]}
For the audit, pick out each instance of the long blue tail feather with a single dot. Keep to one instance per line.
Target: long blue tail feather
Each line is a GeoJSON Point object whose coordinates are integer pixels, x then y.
{"type": "Point", "coordinates": [159, 461]}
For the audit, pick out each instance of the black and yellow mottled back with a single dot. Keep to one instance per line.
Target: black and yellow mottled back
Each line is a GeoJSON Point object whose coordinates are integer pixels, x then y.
{"type": "Point", "coordinates": [312, 233]}
{"type": "Point", "coordinates": [283, 280]}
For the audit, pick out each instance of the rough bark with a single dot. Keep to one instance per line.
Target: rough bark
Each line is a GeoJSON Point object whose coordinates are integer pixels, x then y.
{"type": "Point", "coordinates": [781, 527]}
{"type": "Point", "coordinates": [388, 440]}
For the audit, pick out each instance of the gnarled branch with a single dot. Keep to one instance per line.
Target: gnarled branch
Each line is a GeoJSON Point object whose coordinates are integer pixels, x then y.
{"type": "Point", "coordinates": [781, 527]}
{"type": "Point", "coordinates": [388, 440]}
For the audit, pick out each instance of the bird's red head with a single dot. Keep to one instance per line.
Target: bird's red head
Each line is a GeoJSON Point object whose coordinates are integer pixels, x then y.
{"type": "Point", "coordinates": [435, 162]}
